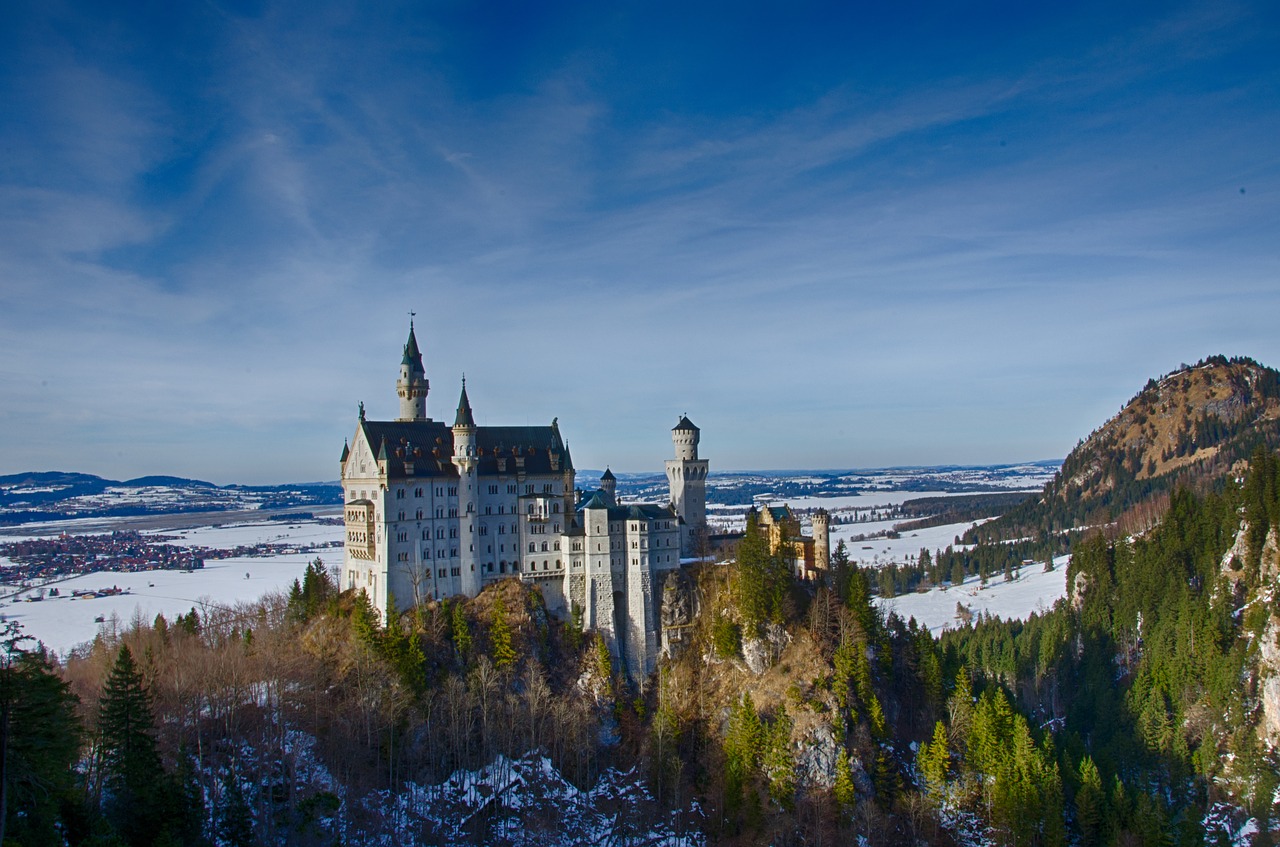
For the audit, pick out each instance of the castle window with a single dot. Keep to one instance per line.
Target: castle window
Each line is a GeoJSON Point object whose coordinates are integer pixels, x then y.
{"type": "Point", "coordinates": [439, 493]}
{"type": "Point", "coordinates": [502, 529]}
{"type": "Point", "coordinates": [511, 489]}
{"type": "Point", "coordinates": [502, 510]}
{"type": "Point", "coordinates": [440, 532]}
{"type": "Point", "coordinates": [439, 513]}
{"type": "Point", "coordinates": [544, 546]}
{"type": "Point", "coordinates": [532, 547]}
{"type": "Point", "coordinates": [488, 510]}
{"type": "Point", "coordinates": [484, 530]}
{"type": "Point", "coordinates": [493, 489]}
{"type": "Point", "coordinates": [419, 514]}
{"type": "Point", "coordinates": [417, 492]}
{"type": "Point", "coordinates": [453, 552]}
{"type": "Point", "coordinates": [557, 545]}
{"type": "Point", "coordinates": [442, 573]}
{"type": "Point", "coordinates": [453, 491]}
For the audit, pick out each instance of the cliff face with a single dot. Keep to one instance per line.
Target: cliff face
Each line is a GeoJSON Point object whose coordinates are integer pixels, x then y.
{"type": "Point", "coordinates": [1269, 645]}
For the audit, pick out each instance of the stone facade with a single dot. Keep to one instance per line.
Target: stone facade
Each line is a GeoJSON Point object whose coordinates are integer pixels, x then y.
{"type": "Point", "coordinates": [434, 511]}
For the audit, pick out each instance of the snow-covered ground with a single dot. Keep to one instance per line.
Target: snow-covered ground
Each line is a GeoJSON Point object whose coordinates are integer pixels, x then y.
{"type": "Point", "coordinates": [261, 532]}
{"type": "Point", "coordinates": [882, 551]}
{"type": "Point", "coordinates": [63, 622]}
{"type": "Point", "coordinates": [1034, 591]}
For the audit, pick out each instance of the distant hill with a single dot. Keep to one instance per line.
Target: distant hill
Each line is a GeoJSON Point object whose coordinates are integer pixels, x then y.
{"type": "Point", "coordinates": [172, 481]}
{"type": "Point", "coordinates": [38, 496]}
{"type": "Point", "coordinates": [1194, 427]}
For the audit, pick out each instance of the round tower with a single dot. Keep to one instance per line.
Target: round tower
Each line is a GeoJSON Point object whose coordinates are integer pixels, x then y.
{"type": "Point", "coordinates": [413, 385]}
{"type": "Point", "coordinates": [687, 478]}
{"type": "Point", "coordinates": [466, 460]}
{"type": "Point", "coordinates": [609, 485]}
{"type": "Point", "coordinates": [685, 438]}
{"type": "Point", "coordinates": [822, 541]}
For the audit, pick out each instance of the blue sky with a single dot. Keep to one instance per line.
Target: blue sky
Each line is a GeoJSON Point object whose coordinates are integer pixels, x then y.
{"type": "Point", "coordinates": [835, 235]}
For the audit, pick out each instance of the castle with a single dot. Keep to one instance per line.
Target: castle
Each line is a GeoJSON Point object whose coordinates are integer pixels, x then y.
{"type": "Point", "coordinates": [433, 511]}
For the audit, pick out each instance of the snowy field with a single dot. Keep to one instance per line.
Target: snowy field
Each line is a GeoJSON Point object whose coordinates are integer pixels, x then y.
{"type": "Point", "coordinates": [883, 551]}
{"type": "Point", "coordinates": [63, 623]}
{"type": "Point", "coordinates": [1035, 591]}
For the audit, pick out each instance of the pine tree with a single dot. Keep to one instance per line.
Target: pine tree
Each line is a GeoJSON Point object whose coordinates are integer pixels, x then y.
{"type": "Point", "coordinates": [779, 763]}
{"type": "Point", "coordinates": [844, 790]}
{"type": "Point", "coordinates": [742, 747]}
{"type": "Point", "coordinates": [934, 761]}
{"type": "Point", "coordinates": [234, 821]}
{"type": "Point", "coordinates": [1089, 809]}
{"type": "Point", "coordinates": [130, 761]}
{"type": "Point", "coordinates": [604, 662]}
{"type": "Point", "coordinates": [460, 632]}
{"type": "Point", "coordinates": [39, 744]}
{"type": "Point", "coordinates": [504, 654]}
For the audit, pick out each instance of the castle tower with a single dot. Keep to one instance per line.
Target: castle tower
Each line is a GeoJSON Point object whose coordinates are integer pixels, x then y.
{"type": "Point", "coordinates": [687, 478]}
{"type": "Point", "coordinates": [609, 485]}
{"type": "Point", "coordinates": [413, 385]}
{"type": "Point", "coordinates": [466, 460]}
{"type": "Point", "coordinates": [822, 543]}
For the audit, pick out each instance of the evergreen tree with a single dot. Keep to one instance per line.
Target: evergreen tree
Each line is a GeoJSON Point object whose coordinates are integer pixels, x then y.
{"type": "Point", "coordinates": [504, 654]}
{"type": "Point", "coordinates": [934, 761]}
{"type": "Point", "coordinates": [1090, 813]}
{"type": "Point", "coordinates": [39, 744]}
{"type": "Point", "coordinates": [234, 820]}
{"type": "Point", "coordinates": [460, 631]}
{"type": "Point", "coordinates": [778, 761]}
{"type": "Point", "coordinates": [844, 790]}
{"type": "Point", "coordinates": [743, 743]}
{"type": "Point", "coordinates": [761, 579]}
{"type": "Point", "coordinates": [130, 762]}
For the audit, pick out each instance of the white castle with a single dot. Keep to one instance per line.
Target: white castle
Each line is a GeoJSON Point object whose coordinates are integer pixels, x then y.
{"type": "Point", "coordinates": [434, 511]}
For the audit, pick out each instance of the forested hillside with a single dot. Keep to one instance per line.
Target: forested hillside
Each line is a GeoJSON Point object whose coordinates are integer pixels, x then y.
{"type": "Point", "coordinates": [1143, 709]}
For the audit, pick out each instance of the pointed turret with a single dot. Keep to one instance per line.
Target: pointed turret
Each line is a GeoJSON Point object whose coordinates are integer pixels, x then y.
{"type": "Point", "coordinates": [346, 451]}
{"type": "Point", "coordinates": [609, 485]}
{"type": "Point", "coordinates": [412, 356]}
{"type": "Point", "coordinates": [466, 460]}
{"type": "Point", "coordinates": [464, 418]}
{"type": "Point", "coordinates": [412, 386]}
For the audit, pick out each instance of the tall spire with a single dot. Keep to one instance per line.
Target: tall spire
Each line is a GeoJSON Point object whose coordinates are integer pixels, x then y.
{"type": "Point", "coordinates": [465, 418]}
{"type": "Point", "coordinates": [413, 385]}
{"type": "Point", "coordinates": [412, 356]}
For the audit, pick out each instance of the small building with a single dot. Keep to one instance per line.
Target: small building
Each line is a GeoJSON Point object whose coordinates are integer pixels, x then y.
{"type": "Point", "coordinates": [810, 555]}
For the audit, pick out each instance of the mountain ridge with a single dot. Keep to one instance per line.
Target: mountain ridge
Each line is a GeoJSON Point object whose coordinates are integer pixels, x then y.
{"type": "Point", "coordinates": [1195, 427]}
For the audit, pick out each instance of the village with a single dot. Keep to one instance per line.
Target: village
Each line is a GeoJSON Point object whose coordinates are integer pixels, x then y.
{"type": "Point", "coordinates": [40, 560]}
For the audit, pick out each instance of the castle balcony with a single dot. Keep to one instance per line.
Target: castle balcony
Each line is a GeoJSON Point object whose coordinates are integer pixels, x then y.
{"type": "Point", "coordinates": [359, 518]}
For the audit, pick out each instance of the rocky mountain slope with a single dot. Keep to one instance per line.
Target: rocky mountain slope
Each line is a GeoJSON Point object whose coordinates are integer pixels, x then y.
{"type": "Point", "coordinates": [1195, 427]}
